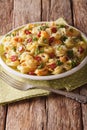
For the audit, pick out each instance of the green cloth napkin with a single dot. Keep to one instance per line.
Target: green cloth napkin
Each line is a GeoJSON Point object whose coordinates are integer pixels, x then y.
{"type": "Point", "coordinates": [9, 94]}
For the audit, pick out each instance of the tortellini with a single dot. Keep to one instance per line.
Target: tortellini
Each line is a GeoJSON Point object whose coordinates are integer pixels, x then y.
{"type": "Point", "coordinates": [12, 64]}
{"type": "Point", "coordinates": [32, 47]}
{"type": "Point", "coordinates": [58, 70]}
{"type": "Point", "coordinates": [44, 48]}
{"type": "Point", "coordinates": [44, 57]}
{"type": "Point", "coordinates": [60, 50]}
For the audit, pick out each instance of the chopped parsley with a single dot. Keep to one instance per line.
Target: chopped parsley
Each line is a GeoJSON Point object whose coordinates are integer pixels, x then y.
{"type": "Point", "coordinates": [45, 40]}
{"type": "Point", "coordinates": [37, 51]}
{"type": "Point", "coordinates": [59, 47]}
{"type": "Point", "coordinates": [63, 38]}
{"type": "Point", "coordinates": [70, 53]}
{"type": "Point", "coordinates": [61, 26]}
{"type": "Point", "coordinates": [41, 66]}
{"type": "Point", "coordinates": [8, 35]}
{"type": "Point", "coordinates": [13, 34]}
{"type": "Point", "coordinates": [74, 63]}
{"type": "Point", "coordinates": [41, 50]}
{"type": "Point", "coordinates": [43, 28]}
{"type": "Point", "coordinates": [59, 63]}
{"type": "Point", "coordinates": [35, 38]}
{"type": "Point", "coordinates": [14, 48]}
{"type": "Point", "coordinates": [71, 30]}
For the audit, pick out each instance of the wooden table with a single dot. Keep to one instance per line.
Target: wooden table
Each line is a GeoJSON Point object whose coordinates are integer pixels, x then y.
{"type": "Point", "coordinates": [53, 112]}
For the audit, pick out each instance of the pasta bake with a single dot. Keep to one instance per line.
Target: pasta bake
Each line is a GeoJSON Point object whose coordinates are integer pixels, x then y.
{"type": "Point", "coordinates": [44, 48]}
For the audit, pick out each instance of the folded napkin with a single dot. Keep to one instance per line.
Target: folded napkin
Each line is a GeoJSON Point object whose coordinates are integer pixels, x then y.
{"type": "Point", "coordinates": [9, 94]}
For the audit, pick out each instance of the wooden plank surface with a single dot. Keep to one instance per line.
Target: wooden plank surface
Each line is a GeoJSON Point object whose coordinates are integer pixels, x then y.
{"type": "Point", "coordinates": [43, 113]}
{"type": "Point", "coordinates": [6, 14]}
{"type": "Point", "coordinates": [63, 114]}
{"type": "Point", "coordinates": [26, 11]}
{"type": "Point", "coordinates": [27, 115]}
{"type": "Point", "coordinates": [2, 117]}
{"type": "Point", "coordinates": [80, 14]}
{"type": "Point", "coordinates": [60, 8]}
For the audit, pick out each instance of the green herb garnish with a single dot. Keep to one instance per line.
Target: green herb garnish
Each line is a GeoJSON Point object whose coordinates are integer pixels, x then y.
{"type": "Point", "coordinates": [61, 26]}
{"type": "Point", "coordinates": [41, 66]}
{"type": "Point", "coordinates": [37, 51]}
{"type": "Point", "coordinates": [8, 35]}
{"type": "Point", "coordinates": [74, 63]}
{"type": "Point", "coordinates": [14, 48]}
{"type": "Point", "coordinates": [43, 28]}
{"type": "Point", "coordinates": [45, 40]}
{"type": "Point", "coordinates": [71, 29]}
{"type": "Point", "coordinates": [63, 38]}
{"type": "Point", "coordinates": [70, 53]}
{"type": "Point", "coordinates": [35, 39]}
{"type": "Point", "coordinates": [59, 63]}
{"type": "Point", "coordinates": [41, 50]}
{"type": "Point", "coordinates": [13, 34]}
{"type": "Point", "coordinates": [59, 47]}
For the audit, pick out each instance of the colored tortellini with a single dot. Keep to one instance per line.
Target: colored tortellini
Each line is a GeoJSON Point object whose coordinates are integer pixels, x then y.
{"type": "Point", "coordinates": [44, 49]}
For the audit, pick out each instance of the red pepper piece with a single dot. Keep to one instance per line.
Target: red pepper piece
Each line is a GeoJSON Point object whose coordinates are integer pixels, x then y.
{"type": "Point", "coordinates": [52, 55]}
{"type": "Point", "coordinates": [14, 58]}
{"type": "Point", "coordinates": [54, 30]}
{"type": "Point", "coordinates": [31, 73]}
{"type": "Point", "coordinates": [51, 39]}
{"type": "Point", "coordinates": [52, 66]}
{"type": "Point", "coordinates": [39, 34]}
{"type": "Point", "coordinates": [29, 40]}
{"type": "Point", "coordinates": [81, 50]}
{"type": "Point", "coordinates": [38, 58]}
{"type": "Point", "coordinates": [27, 32]}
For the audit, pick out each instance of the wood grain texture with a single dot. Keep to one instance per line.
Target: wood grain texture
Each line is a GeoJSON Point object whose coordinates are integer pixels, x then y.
{"type": "Point", "coordinates": [6, 11]}
{"type": "Point", "coordinates": [84, 108]}
{"type": "Point", "coordinates": [26, 11]}
{"type": "Point", "coordinates": [6, 14]}
{"type": "Point", "coordinates": [60, 8]}
{"type": "Point", "coordinates": [2, 117]}
{"type": "Point", "coordinates": [27, 115]}
{"type": "Point", "coordinates": [80, 21]}
{"type": "Point", "coordinates": [63, 114]}
{"type": "Point", "coordinates": [80, 14]}
{"type": "Point", "coordinates": [45, 8]}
